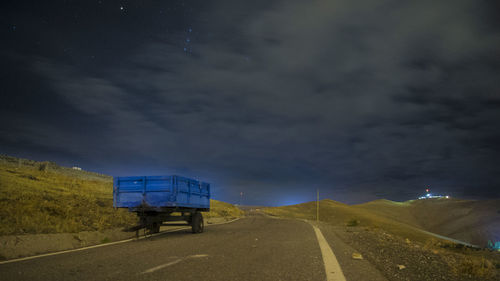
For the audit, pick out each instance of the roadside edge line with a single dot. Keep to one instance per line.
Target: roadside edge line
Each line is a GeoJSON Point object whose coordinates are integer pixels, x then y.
{"type": "Point", "coordinates": [332, 266]}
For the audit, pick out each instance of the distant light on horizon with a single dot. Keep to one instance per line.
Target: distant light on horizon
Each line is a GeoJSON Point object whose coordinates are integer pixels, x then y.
{"type": "Point", "coordinates": [292, 201]}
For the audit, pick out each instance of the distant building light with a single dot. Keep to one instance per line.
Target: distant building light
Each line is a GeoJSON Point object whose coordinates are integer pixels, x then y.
{"type": "Point", "coordinates": [76, 168]}
{"type": "Point", "coordinates": [430, 196]}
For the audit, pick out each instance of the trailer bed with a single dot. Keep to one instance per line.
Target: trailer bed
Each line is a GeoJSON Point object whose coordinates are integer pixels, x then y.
{"type": "Point", "coordinates": [160, 193]}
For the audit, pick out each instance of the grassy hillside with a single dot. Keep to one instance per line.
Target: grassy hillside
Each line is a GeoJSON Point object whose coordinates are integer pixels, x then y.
{"type": "Point", "coordinates": [472, 221]}
{"type": "Point", "coordinates": [475, 222]}
{"type": "Point", "coordinates": [337, 213]}
{"type": "Point", "coordinates": [223, 209]}
{"type": "Point", "coordinates": [42, 197]}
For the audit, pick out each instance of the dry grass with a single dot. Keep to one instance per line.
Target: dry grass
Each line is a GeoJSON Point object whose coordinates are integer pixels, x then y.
{"type": "Point", "coordinates": [37, 199]}
{"type": "Point", "coordinates": [223, 209]}
{"type": "Point", "coordinates": [464, 261]}
{"type": "Point", "coordinates": [474, 266]}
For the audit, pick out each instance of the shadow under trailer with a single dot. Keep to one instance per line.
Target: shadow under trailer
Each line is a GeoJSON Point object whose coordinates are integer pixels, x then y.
{"type": "Point", "coordinates": [155, 199]}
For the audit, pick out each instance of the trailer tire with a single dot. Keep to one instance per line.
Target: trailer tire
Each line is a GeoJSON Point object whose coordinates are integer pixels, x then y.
{"type": "Point", "coordinates": [154, 228]}
{"type": "Point", "coordinates": [197, 223]}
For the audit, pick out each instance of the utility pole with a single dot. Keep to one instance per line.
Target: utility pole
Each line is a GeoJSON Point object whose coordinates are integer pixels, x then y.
{"type": "Point", "coordinates": [241, 198]}
{"type": "Point", "coordinates": [317, 205]}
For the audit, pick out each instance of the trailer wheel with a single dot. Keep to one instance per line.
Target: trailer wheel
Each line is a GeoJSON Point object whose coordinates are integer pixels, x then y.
{"type": "Point", "coordinates": [154, 228]}
{"type": "Point", "coordinates": [197, 223]}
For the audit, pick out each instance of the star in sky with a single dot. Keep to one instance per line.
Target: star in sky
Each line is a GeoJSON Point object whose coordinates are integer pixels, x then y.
{"type": "Point", "coordinates": [187, 43]}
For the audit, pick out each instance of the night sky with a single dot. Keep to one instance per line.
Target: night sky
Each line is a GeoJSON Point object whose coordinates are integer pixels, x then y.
{"type": "Point", "coordinates": [275, 99]}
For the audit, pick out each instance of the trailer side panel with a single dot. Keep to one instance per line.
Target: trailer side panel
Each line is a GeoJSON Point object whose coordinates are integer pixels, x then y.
{"type": "Point", "coordinates": [160, 192]}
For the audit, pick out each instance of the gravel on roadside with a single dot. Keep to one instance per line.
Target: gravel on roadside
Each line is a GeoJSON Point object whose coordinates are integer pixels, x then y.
{"type": "Point", "coordinates": [398, 258]}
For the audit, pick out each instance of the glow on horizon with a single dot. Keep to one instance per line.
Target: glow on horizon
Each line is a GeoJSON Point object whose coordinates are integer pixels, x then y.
{"type": "Point", "coordinates": [292, 201]}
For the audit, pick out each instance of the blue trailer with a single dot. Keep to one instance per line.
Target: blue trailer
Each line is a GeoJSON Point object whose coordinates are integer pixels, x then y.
{"type": "Point", "coordinates": [155, 198]}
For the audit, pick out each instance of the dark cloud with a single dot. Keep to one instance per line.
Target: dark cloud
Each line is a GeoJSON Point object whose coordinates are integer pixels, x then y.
{"type": "Point", "coordinates": [360, 99]}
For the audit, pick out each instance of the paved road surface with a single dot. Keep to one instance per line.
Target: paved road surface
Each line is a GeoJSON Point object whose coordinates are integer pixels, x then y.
{"type": "Point", "coordinates": [253, 248]}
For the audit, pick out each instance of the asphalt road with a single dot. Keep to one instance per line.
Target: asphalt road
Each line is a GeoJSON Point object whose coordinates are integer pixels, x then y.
{"type": "Point", "coordinates": [253, 248]}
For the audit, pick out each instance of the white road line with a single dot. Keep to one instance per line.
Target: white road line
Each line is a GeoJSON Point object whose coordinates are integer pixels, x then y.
{"type": "Point", "coordinates": [198, 256]}
{"type": "Point", "coordinates": [106, 244]}
{"type": "Point", "coordinates": [162, 266]}
{"type": "Point", "coordinates": [332, 266]}
{"type": "Point", "coordinates": [172, 263]}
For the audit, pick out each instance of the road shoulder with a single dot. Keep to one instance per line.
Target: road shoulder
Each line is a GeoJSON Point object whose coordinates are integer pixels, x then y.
{"type": "Point", "coordinates": [353, 269]}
